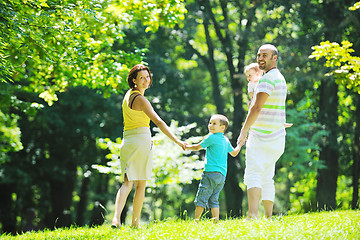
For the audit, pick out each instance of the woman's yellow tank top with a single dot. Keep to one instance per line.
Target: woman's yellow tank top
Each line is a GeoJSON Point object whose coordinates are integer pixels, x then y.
{"type": "Point", "coordinates": [132, 118]}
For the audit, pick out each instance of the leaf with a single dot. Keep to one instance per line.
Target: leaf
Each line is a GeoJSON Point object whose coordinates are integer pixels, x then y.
{"type": "Point", "coordinates": [49, 97]}
{"type": "Point", "coordinates": [44, 3]}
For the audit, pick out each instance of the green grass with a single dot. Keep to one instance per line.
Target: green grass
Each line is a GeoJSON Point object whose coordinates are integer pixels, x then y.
{"type": "Point", "coordinates": [323, 225]}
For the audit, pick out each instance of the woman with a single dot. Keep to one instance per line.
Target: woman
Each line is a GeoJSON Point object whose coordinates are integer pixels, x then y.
{"type": "Point", "coordinates": [136, 148]}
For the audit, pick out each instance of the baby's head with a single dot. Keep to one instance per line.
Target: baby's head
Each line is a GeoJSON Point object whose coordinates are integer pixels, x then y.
{"type": "Point", "coordinates": [218, 123]}
{"type": "Point", "coordinates": [253, 72]}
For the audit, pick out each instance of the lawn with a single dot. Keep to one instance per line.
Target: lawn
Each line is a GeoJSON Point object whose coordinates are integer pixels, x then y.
{"type": "Point", "coordinates": [321, 225]}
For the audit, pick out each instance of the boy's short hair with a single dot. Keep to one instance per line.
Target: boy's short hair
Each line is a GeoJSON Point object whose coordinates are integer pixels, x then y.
{"type": "Point", "coordinates": [254, 66]}
{"type": "Point", "coordinates": [223, 120]}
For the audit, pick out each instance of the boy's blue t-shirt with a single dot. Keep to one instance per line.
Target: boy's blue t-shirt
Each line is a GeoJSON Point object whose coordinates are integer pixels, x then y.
{"type": "Point", "coordinates": [217, 148]}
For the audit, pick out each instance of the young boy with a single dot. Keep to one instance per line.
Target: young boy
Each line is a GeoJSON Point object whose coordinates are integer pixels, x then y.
{"type": "Point", "coordinates": [213, 178]}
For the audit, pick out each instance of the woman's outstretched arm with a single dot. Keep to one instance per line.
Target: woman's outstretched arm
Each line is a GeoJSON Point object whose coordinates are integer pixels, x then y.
{"type": "Point", "coordinates": [142, 104]}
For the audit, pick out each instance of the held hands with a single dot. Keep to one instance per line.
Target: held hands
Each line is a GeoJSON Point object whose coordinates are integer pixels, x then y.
{"type": "Point", "coordinates": [194, 147]}
{"type": "Point", "coordinates": [243, 135]}
{"type": "Point", "coordinates": [242, 138]}
{"type": "Point", "coordinates": [182, 144]}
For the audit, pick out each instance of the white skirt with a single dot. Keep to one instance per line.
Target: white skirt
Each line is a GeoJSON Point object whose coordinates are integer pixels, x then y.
{"type": "Point", "coordinates": [136, 154]}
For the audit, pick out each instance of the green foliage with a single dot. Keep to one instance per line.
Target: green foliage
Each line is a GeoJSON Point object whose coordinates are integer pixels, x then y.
{"type": "Point", "coordinates": [298, 165]}
{"type": "Point", "coordinates": [113, 166]}
{"type": "Point", "coordinates": [170, 163]}
{"type": "Point", "coordinates": [345, 67]}
{"type": "Point", "coordinates": [10, 133]}
{"type": "Point", "coordinates": [10, 137]}
{"type": "Point", "coordinates": [152, 13]}
{"type": "Point", "coordinates": [344, 196]}
{"type": "Point", "coordinates": [5, 67]}
{"type": "Point", "coordinates": [340, 225]}
{"type": "Point", "coordinates": [64, 44]}
{"type": "Point", "coordinates": [302, 140]}
{"type": "Point", "coordinates": [59, 146]}
{"type": "Point", "coordinates": [355, 6]}
{"type": "Point", "coordinates": [67, 43]}
{"type": "Point", "coordinates": [345, 70]}
{"type": "Point", "coordinates": [303, 194]}
{"type": "Point", "coordinates": [48, 47]}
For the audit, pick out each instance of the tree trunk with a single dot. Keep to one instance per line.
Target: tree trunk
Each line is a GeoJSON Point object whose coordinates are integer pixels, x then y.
{"type": "Point", "coordinates": [233, 193]}
{"type": "Point", "coordinates": [219, 103]}
{"type": "Point", "coordinates": [237, 84]}
{"type": "Point", "coordinates": [354, 38]}
{"type": "Point", "coordinates": [327, 177]}
{"type": "Point", "coordinates": [81, 209]}
{"type": "Point", "coordinates": [61, 199]}
{"type": "Point", "coordinates": [99, 211]}
{"type": "Point", "coordinates": [356, 154]}
{"type": "Point", "coordinates": [7, 213]}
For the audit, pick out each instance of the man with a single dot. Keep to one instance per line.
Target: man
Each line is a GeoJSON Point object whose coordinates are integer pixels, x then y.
{"type": "Point", "coordinates": [265, 124]}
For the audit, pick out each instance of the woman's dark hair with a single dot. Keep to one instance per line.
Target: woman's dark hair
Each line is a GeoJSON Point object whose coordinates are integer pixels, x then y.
{"type": "Point", "coordinates": [133, 74]}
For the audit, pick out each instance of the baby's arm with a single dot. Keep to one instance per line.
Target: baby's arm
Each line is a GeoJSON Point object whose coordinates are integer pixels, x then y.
{"type": "Point", "coordinates": [236, 151]}
{"type": "Point", "coordinates": [194, 147]}
{"type": "Point", "coordinates": [251, 95]}
{"type": "Point", "coordinates": [286, 125]}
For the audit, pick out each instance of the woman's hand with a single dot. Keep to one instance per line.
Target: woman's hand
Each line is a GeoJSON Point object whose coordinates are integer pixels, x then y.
{"type": "Point", "coordinates": [182, 144]}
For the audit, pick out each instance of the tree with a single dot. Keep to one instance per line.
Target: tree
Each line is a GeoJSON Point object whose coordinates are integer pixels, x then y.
{"type": "Point", "coordinates": [59, 147]}
{"type": "Point", "coordinates": [48, 47]}
{"type": "Point", "coordinates": [67, 37]}
{"type": "Point", "coordinates": [345, 69]}
{"type": "Point", "coordinates": [300, 162]}
{"type": "Point", "coordinates": [223, 36]}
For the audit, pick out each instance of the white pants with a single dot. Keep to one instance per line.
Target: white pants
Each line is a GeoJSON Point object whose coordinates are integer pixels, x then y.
{"type": "Point", "coordinates": [261, 156]}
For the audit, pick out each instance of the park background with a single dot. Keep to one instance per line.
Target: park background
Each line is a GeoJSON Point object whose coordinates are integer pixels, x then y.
{"type": "Point", "coordinates": [63, 68]}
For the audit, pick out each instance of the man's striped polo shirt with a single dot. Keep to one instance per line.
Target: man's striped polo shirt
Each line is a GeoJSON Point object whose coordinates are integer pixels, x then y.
{"type": "Point", "coordinates": [270, 122]}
